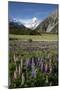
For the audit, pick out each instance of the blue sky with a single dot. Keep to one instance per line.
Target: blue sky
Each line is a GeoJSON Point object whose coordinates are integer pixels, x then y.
{"type": "Point", "coordinates": [26, 11]}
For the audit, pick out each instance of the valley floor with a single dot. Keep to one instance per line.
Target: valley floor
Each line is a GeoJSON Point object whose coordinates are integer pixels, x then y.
{"type": "Point", "coordinates": [33, 60]}
{"type": "Point", "coordinates": [43, 37]}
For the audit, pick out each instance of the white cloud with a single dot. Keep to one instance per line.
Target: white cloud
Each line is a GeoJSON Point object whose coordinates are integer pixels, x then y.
{"type": "Point", "coordinates": [25, 21]}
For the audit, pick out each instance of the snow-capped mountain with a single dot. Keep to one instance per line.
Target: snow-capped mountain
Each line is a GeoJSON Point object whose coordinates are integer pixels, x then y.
{"type": "Point", "coordinates": [34, 22]}
{"type": "Point", "coordinates": [34, 26]}
{"type": "Point", "coordinates": [31, 23]}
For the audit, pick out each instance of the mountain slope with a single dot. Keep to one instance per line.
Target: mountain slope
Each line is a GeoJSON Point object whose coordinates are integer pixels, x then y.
{"type": "Point", "coordinates": [48, 25]}
{"type": "Point", "coordinates": [18, 28]}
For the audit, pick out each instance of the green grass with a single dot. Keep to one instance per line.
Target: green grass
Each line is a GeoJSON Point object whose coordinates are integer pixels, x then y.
{"type": "Point", "coordinates": [43, 37]}
{"type": "Point", "coordinates": [26, 54]}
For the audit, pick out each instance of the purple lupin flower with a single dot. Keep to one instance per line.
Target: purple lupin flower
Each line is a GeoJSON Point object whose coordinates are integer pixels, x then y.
{"type": "Point", "coordinates": [46, 67]}
{"type": "Point", "coordinates": [33, 69]}
{"type": "Point", "coordinates": [33, 73]}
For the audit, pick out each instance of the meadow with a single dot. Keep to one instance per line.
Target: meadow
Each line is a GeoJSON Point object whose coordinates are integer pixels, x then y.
{"type": "Point", "coordinates": [33, 64]}
{"type": "Point", "coordinates": [43, 37]}
{"type": "Point", "coordinates": [33, 60]}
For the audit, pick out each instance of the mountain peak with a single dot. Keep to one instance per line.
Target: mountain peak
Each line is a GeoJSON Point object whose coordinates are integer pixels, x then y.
{"type": "Point", "coordinates": [33, 23]}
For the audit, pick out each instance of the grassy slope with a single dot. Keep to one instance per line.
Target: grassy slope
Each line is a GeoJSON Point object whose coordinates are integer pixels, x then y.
{"type": "Point", "coordinates": [43, 37]}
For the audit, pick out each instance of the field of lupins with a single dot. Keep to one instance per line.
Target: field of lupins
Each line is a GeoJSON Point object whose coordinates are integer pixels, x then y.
{"type": "Point", "coordinates": [33, 66]}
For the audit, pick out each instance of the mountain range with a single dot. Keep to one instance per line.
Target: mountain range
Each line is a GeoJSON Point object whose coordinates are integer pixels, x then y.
{"type": "Point", "coordinates": [35, 26]}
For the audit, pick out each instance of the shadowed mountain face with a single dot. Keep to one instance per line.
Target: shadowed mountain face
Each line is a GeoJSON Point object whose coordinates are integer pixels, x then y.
{"type": "Point", "coordinates": [18, 28]}
{"type": "Point", "coordinates": [48, 25]}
